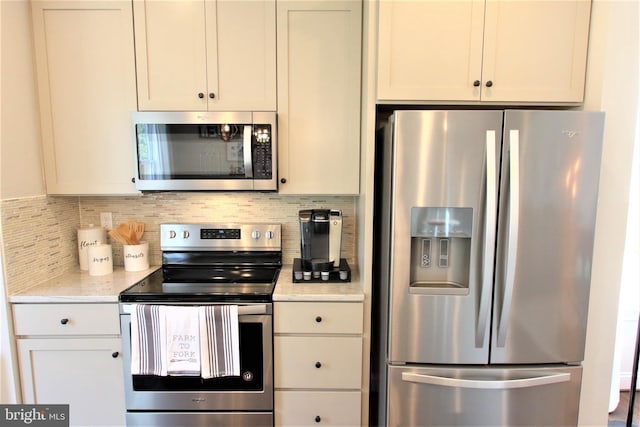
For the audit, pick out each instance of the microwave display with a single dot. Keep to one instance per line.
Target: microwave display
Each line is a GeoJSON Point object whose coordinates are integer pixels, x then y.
{"type": "Point", "coordinates": [225, 152]}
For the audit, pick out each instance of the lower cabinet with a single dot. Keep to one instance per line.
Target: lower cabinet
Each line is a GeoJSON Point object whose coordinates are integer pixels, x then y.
{"type": "Point", "coordinates": [318, 363]}
{"type": "Point", "coordinates": [71, 354]}
{"type": "Point", "coordinates": [310, 408]}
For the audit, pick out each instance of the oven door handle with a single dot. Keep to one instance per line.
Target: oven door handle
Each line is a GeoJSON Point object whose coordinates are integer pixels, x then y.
{"type": "Point", "coordinates": [243, 310]}
{"type": "Point", "coordinates": [253, 309]}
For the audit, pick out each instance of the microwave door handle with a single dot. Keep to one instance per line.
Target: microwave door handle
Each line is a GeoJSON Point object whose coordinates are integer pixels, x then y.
{"type": "Point", "coordinates": [246, 149]}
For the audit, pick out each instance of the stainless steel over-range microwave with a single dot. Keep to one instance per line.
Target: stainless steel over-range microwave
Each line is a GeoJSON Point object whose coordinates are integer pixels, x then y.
{"type": "Point", "coordinates": [205, 151]}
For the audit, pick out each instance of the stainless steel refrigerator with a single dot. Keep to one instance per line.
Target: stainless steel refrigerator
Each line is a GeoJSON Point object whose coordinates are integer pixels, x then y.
{"type": "Point", "coordinates": [485, 231]}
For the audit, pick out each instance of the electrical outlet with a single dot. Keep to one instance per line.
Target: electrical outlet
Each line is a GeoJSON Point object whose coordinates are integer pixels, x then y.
{"type": "Point", "coordinates": [106, 220]}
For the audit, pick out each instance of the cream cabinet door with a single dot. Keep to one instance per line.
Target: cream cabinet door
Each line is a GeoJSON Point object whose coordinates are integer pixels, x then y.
{"type": "Point", "coordinates": [246, 56]}
{"type": "Point", "coordinates": [535, 51]}
{"type": "Point", "coordinates": [199, 55]}
{"type": "Point", "coordinates": [85, 373]}
{"type": "Point", "coordinates": [171, 54]}
{"type": "Point", "coordinates": [85, 69]}
{"type": "Point", "coordinates": [430, 50]}
{"type": "Point", "coordinates": [319, 63]}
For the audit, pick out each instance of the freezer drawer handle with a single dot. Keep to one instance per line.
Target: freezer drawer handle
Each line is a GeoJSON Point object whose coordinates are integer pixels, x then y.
{"type": "Point", "coordinates": [488, 384]}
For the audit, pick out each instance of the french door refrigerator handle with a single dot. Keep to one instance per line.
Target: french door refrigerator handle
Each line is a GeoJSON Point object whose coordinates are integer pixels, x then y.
{"type": "Point", "coordinates": [489, 239]}
{"type": "Point", "coordinates": [246, 152]}
{"type": "Point", "coordinates": [512, 245]}
{"type": "Point", "coordinates": [485, 384]}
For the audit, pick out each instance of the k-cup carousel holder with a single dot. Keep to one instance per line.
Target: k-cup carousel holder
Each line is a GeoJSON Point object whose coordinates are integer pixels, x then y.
{"type": "Point", "coordinates": [339, 274]}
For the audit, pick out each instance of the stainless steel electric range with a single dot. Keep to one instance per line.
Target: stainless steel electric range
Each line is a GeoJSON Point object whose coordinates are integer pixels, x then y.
{"type": "Point", "coordinates": [204, 264]}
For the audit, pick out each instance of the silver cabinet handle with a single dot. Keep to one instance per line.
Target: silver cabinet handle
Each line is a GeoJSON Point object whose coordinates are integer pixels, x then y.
{"type": "Point", "coordinates": [512, 248]}
{"type": "Point", "coordinates": [485, 384]}
{"type": "Point", "coordinates": [246, 152]}
{"type": "Point", "coordinates": [489, 239]}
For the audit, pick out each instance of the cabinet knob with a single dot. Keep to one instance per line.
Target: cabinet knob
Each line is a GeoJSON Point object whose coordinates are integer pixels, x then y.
{"type": "Point", "coordinates": [200, 95]}
{"type": "Point", "coordinates": [283, 180]}
{"type": "Point", "coordinates": [133, 180]}
{"type": "Point", "coordinates": [212, 95]}
{"type": "Point", "coordinates": [318, 419]}
{"type": "Point", "coordinates": [476, 83]}
{"type": "Point", "coordinates": [318, 365]}
{"type": "Point", "coordinates": [64, 321]}
{"type": "Point", "coordinates": [489, 83]}
{"type": "Point", "coordinates": [318, 319]}
{"type": "Point", "coordinates": [115, 354]}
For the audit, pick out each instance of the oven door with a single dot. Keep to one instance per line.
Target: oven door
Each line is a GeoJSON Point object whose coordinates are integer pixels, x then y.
{"type": "Point", "coordinates": [251, 391]}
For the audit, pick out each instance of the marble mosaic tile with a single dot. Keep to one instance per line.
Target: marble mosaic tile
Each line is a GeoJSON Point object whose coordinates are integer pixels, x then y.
{"type": "Point", "coordinates": [39, 239]}
{"type": "Point", "coordinates": [156, 208]}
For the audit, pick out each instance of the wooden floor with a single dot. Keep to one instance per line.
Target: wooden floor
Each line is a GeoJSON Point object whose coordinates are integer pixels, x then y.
{"type": "Point", "coordinates": [619, 416]}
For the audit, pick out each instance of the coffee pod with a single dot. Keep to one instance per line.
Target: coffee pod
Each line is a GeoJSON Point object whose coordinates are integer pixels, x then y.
{"type": "Point", "coordinates": [87, 237]}
{"type": "Point", "coordinates": [100, 260]}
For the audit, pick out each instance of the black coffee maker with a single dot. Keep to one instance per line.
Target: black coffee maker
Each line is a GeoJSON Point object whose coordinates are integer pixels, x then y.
{"type": "Point", "coordinates": [320, 244]}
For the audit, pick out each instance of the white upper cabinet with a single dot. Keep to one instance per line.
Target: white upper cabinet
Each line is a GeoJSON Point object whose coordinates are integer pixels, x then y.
{"type": "Point", "coordinates": [198, 55]}
{"type": "Point", "coordinates": [476, 50]}
{"type": "Point", "coordinates": [319, 63]}
{"type": "Point", "coordinates": [86, 85]}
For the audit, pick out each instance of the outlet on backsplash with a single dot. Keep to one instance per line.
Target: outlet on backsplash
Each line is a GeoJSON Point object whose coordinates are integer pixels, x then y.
{"type": "Point", "coordinates": [106, 220]}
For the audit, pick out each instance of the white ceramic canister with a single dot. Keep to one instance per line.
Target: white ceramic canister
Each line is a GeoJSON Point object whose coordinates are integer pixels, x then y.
{"type": "Point", "coordinates": [89, 236]}
{"type": "Point", "coordinates": [136, 257]}
{"type": "Point", "coordinates": [100, 259]}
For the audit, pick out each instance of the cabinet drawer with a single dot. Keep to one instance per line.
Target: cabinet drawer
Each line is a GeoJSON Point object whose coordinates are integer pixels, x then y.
{"type": "Point", "coordinates": [318, 317]}
{"type": "Point", "coordinates": [66, 319]}
{"type": "Point", "coordinates": [312, 408]}
{"type": "Point", "coordinates": [318, 362]}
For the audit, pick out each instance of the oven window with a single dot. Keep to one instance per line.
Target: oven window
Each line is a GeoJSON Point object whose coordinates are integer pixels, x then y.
{"type": "Point", "coordinates": [190, 151]}
{"type": "Point", "coordinates": [251, 373]}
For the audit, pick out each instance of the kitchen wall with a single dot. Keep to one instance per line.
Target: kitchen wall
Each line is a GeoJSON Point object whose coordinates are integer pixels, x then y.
{"type": "Point", "coordinates": [20, 161]}
{"type": "Point", "coordinates": [156, 208]}
{"type": "Point", "coordinates": [612, 86]}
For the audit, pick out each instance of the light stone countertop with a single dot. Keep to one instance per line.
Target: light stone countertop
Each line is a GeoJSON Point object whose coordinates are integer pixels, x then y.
{"type": "Point", "coordinates": [77, 286]}
{"type": "Point", "coordinates": [287, 290]}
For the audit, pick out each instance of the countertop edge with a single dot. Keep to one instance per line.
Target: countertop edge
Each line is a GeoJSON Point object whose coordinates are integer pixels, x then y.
{"type": "Point", "coordinates": [78, 286]}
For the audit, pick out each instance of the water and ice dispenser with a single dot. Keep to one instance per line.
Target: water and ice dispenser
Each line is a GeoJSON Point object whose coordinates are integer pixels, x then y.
{"type": "Point", "coordinates": [440, 250]}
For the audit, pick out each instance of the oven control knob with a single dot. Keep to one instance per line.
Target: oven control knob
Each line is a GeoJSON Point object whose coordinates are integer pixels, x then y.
{"type": "Point", "coordinates": [269, 235]}
{"type": "Point", "coordinates": [172, 234]}
{"type": "Point", "coordinates": [255, 234]}
{"type": "Point", "coordinates": [185, 234]}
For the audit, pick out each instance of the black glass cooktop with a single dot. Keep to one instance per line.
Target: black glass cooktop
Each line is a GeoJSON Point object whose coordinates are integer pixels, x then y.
{"type": "Point", "coordinates": [205, 284]}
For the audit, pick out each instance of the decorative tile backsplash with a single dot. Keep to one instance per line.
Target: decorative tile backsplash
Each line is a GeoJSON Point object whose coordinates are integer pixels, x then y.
{"type": "Point", "coordinates": [40, 233]}
{"type": "Point", "coordinates": [39, 237]}
{"type": "Point", "coordinates": [156, 208]}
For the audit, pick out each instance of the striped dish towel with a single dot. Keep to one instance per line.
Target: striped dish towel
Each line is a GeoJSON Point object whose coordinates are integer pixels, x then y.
{"type": "Point", "coordinates": [219, 341]}
{"type": "Point", "coordinates": [148, 340]}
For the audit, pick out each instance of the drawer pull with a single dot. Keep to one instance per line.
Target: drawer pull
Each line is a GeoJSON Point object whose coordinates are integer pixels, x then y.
{"type": "Point", "coordinates": [318, 365]}
{"type": "Point", "coordinates": [318, 419]}
{"type": "Point", "coordinates": [115, 354]}
{"type": "Point", "coordinates": [64, 321]}
{"type": "Point", "coordinates": [318, 319]}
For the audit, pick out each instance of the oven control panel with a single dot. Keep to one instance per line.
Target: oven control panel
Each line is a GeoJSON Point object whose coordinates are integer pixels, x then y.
{"type": "Point", "coordinates": [253, 236]}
